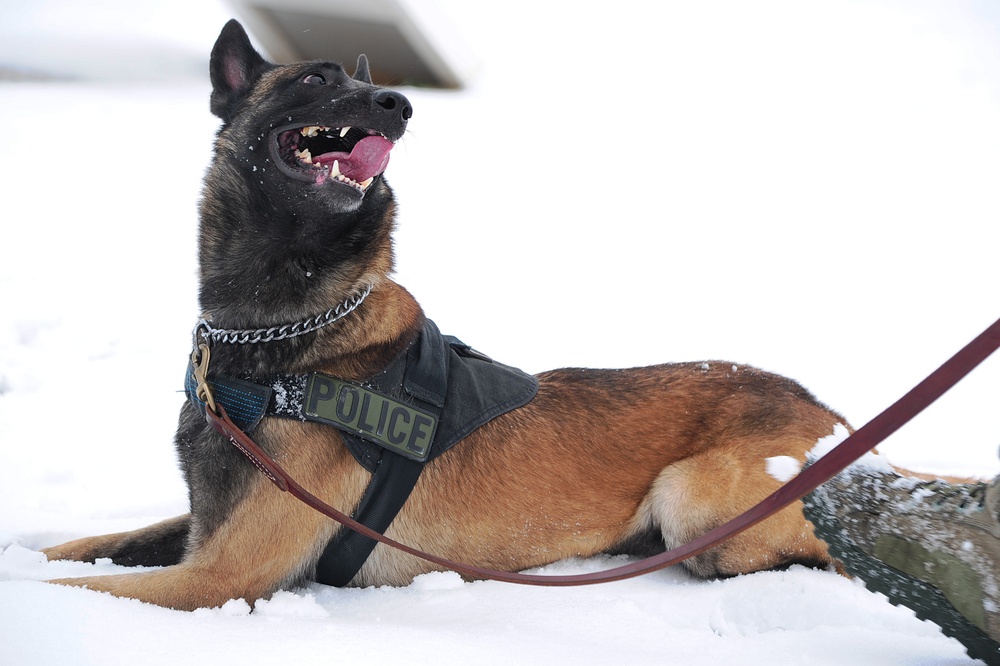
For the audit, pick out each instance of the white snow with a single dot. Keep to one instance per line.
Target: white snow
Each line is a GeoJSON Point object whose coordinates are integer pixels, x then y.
{"type": "Point", "coordinates": [782, 468]}
{"type": "Point", "coordinates": [809, 188]}
{"type": "Point", "coordinates": [829, 443]}
{"type": "Point", "coordinates": [877, 462]}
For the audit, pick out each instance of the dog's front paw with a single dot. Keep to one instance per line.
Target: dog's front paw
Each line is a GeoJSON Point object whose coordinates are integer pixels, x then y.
{"type": "Point", "coordinates": [87, 549]}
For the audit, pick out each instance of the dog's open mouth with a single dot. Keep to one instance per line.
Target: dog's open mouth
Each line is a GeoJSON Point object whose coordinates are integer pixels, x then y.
{"type": "Point", "coordinates": [350, 156]}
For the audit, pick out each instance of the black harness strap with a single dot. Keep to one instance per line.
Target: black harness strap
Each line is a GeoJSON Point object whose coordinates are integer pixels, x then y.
{"type": "Point", "coordinates": [426, 382]}
{"type": "Point", "coordinates": [387, 492]}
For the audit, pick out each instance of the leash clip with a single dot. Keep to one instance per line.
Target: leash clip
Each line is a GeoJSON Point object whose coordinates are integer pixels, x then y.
{"type": "Point", "coordinates": [199, 360]}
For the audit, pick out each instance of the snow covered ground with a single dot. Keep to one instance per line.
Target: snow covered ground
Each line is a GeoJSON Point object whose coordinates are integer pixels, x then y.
{"type": "Point", "coordinates": [807, 187]}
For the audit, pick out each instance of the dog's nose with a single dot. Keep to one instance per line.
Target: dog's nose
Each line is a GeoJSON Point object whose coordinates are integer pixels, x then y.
{"type": "Point", "coordinates": [392, 101]}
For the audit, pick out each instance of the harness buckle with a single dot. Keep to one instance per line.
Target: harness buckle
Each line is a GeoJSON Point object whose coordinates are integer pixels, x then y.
{"type": "Point", "coordinates": [199, 360]}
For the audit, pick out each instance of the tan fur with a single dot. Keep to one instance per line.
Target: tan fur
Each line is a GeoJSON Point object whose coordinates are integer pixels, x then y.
{"type": "Point", "coordinates": [576, 478]}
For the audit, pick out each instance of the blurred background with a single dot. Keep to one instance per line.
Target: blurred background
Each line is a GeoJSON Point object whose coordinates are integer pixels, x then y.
{"type": "Point", "coordinates": [808, 187]}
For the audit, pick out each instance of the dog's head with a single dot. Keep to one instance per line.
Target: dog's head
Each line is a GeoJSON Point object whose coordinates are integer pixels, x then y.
{"type": "Point", "coordinates": [295, 208]}
{"type": "Point", "coordinates": [324, 131]}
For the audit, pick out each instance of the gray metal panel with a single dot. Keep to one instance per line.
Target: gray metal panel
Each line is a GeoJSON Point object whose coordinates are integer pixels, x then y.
{"type": "Point", "coordinates": [407, 43]}
{"type": "Point", "coordinates": [315, 37]}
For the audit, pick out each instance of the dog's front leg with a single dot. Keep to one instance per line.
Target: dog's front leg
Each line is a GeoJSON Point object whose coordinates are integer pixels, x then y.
{"type": "Point", "coordinates": [158, 545]}
{"type": "Point", "coordinates": [270, 540]}
{"type": "Point", "coordinates": [185, 586]}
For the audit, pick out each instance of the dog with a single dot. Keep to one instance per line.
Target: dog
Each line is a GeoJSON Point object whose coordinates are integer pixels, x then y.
{"type": "Point", "coordinates": [295, 249]}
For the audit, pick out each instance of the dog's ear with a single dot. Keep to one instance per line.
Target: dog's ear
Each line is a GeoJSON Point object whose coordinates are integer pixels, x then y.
{"type": "Point", "coordinates": [361, 72]}
{"type": "Point", "coordinates": [234, 68]}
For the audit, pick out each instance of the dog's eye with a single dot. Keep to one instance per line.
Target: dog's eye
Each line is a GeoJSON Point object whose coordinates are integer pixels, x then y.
{"type": "Point", "coordinates": [314, 79]}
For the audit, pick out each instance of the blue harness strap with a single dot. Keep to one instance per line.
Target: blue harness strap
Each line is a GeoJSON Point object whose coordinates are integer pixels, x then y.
{"type": "Point", "coordinates": [245, 402]}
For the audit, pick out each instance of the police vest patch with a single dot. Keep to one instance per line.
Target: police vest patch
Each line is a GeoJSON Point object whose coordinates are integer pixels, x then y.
{"type": "Point", "coordinates": [368, 414]}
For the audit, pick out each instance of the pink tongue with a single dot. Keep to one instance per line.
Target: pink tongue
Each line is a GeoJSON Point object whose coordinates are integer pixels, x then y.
{"type": "Point", "coordinates": [368, 158]}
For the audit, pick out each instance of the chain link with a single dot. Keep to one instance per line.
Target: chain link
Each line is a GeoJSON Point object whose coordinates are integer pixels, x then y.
{"type": "Point", "coordinates": [205, 330]}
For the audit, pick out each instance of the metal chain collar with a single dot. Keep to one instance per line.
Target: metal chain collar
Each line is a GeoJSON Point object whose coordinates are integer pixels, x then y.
{"type": "Point", "coordinates": [205, 330]}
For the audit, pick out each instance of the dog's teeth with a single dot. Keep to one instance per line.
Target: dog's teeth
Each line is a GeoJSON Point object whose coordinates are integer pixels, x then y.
{"type": "Point", "coordinates": [365, 183]}
{"type": "Point", "coordinates": [304, 155]}
{"type": "Point", "coordinates": [335, 169]}
{"type": "Point", "coordinates": [310, 131]}
{"type": "Point", "coordinates": [343, 131]}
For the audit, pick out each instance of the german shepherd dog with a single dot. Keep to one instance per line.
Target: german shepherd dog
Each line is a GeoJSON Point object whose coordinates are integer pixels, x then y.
{"type": "Point", "coordinates": [296, 216]}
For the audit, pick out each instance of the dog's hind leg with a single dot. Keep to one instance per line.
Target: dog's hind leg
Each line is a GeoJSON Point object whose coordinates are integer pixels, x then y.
{"type": "Point", "coordinates": [158, 545]}
{"type": "Point", "coordinates": [704, 491]}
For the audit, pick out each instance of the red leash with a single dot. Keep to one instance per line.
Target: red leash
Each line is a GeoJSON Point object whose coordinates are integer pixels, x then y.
{"type": "Point", "coordinates": [852, 448]}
